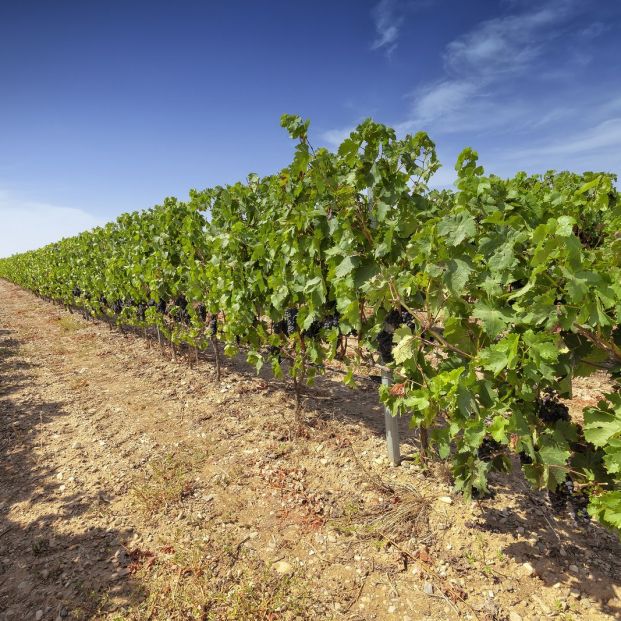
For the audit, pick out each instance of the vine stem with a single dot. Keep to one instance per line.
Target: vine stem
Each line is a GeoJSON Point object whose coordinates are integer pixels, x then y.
{"type": "Point", "coordinates": [214, 344]}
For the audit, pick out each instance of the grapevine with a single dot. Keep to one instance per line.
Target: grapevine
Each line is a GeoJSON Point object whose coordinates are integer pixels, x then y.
{"type": "Point", "coordinates": [485, 302]}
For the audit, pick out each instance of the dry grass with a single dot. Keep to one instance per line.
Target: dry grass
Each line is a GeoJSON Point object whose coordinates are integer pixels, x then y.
{"type": "Point", "coordinates": [220, 581]}
{"type": "Point", "coordinates": [403, 515]}
{"type": "Point", "coordinates": [166, 481]}
{"type": "Point", "coordinates": [69, 324]}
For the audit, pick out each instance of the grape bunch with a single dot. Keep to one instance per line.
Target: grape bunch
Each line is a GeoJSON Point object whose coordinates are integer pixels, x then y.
{"type": "Point", "coordinates": [76, 292]}
{"type": "Point", "coordinates": [314, 330]}
{"type": "Point", "coordinates": [141, 311]}
{"type": "Point", "coordinates": [291, 316]}
{"type": "Point", "coordinates": [489, 449]}
{"type": "Point", "coordinates": [550, 409]}
{"type": "Point", "coordinates": [279, 327]}
{"type": "Point", "coordinates": [392, 321]}
{"type": "Point", "coordinates": [384, 346]}
{"type": "Point", "coordinates": [212, 328]}
{"type": "Point", "coordinates": [331, 321]}
{"type": "Point", "coordinates": [274, 352]}
{"type": "Point", "coordinates": [525, 458]}
{"type": "Point", "coordinates": [566, 497]}
{"type": "Point", "coordinates": [201, 310]}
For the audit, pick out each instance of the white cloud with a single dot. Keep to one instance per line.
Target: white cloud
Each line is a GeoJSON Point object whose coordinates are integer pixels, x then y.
{"type": "Point", "coordinates": [443, 98]}
{"type": "Point", "coordinates": [506, 44]}
{"type": "Point", "coordinates": [594, 30]}
{"type": "Point", "coordinates": [334, 137]}
{"type": "Point", "coordinates": [26, 225]}
{"type": "Point", "coordinates": [387, 25]}
{"type": "Point", "coordinates": [389, 16]}
{"type": "Point", "coordinates": [479, 62]}
{"type": "Point", "coordinates": [603, 136]}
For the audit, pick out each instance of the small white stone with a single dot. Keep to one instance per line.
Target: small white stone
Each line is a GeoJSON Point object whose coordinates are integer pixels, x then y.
{"type": "Point", "coordinates": [514, 616]}
{"type": "Point", "coordinates": [282, 567]}
{"type": "Point", "coordinates": [446, 499]}
{"type": "Point", "coordinates": [530, 570]}
{"type": "Point", "coordinates": [574, 568]}
{"type": "Point", "coordinates": [38, 615]}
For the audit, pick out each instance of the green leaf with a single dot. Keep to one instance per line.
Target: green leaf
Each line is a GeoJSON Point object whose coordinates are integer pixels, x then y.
{"type": "Point", "coordinates": [603, 422]}
{"type": "Point", "coordinates": [346, 266]}
{"type": "Point", "coordinates": [405, 349]}
{"type": "Point", "coordinates": [457, 273]}
{"type": "Point", "coordinates": [501, 355]}
{"type": "Point", "coordinates": [494, 320]}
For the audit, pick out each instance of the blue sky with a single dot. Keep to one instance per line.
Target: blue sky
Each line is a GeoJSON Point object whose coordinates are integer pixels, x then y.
{"type": "Point", "coordinates": [109, 107]}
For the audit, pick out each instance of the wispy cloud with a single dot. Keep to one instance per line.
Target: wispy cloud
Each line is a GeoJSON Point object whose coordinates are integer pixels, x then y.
{"type": "Point", "coordinates": [27, 225]}
{"type": "Point", "coordinates": [507, 45]}
{"type": "Point", "coordinates": [389, 17]}
{"type": "Point", "coordinates": [334, 137]}
{"type": "Point", "coordinates": [388, 21]}
{"type": "Point", "coordinates": [604, 135]}
{"type": "Point", "coordinates": [481, 61]}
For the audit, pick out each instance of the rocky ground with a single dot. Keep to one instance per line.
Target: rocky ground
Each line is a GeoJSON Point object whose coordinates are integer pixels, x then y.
{"type": "Point", "coordinates": [134, 487]}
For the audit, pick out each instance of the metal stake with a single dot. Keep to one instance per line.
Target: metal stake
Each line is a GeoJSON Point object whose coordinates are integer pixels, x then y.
{"type": "Point", "coordinates": [392, 426]}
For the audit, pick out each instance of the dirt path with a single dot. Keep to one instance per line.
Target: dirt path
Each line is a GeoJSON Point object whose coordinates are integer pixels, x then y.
{"type": "Point", "coordinates": [133, 487]}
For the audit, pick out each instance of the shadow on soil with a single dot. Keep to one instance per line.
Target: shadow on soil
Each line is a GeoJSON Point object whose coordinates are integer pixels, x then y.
{"type": "Point", "coordinates": [558, 546]}
{"type": "Point", "coordinates": [42, 567]}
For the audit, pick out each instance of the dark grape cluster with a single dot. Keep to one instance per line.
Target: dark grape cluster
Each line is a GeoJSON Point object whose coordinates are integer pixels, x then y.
{"type": "Point", "coordinates": [201, 310]}
{"type": "Point", "coordinates": [291, 316]}
{"type": "Point", "coordinates": [314, 330]}
{"type": "Point", "coordinates": [393, 320]}
{"type": "Point", "coordinates": [566, 497]}
{"type": "Point", "coordinates": [76, 292]}
{"type": "Point", "coordinates": [550, 409]}
{"type": "Point", "coordinates": [274, 352]}
{"type": "Point", "coordinates": [212, 328]}
{"type": "Point", "coordinates": [396, 318]}
{"type": "Point", "coordinates": [141, 310]}
{"type": "Point", "coordinates": [331, 321]}
{"type": "Point", "coordinates": [489, 449]}
{"type": "Point", "coordinates": [384, 346]}
{"type": "Point", "coordinates": [279, 327]}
